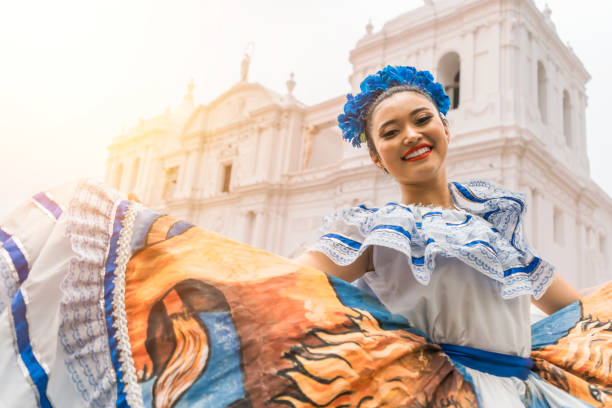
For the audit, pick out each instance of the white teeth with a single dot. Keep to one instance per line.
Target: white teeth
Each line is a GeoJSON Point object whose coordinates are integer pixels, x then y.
{"type": "Point", "coordinates": [417, 153]}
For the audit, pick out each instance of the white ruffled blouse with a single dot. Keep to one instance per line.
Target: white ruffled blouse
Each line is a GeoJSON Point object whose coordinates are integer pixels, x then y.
{"type": "Point", "coordinates": [462, 276]}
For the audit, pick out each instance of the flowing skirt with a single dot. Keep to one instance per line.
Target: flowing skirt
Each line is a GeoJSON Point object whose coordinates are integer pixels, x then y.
{"type": "Point", "coordinates": [105, 302]}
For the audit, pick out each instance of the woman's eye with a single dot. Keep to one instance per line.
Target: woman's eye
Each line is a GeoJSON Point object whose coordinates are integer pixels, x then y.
{"type": "Point", "coordinates": [390, 133]}
{"type": "Point", "coordinates": [422, 120]}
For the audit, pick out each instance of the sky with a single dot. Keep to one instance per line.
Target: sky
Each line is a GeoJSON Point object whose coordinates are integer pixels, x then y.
{"type": "Point", "coordinates": [74, 74]}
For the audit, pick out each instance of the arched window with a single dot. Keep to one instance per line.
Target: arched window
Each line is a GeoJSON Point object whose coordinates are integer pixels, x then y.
{"type": "Point", "coordinates": [449, 75]}
{"type": "Point", "coordinates": [542, 89]}
{"type": "Point", "coordinates": [227, 178]}
{"type": "Point", "coordinates": [134, 176]}
{"type": "Point", "coordinates": [117, 176]}
{"type": "Point", "coordinates": [567, 117]}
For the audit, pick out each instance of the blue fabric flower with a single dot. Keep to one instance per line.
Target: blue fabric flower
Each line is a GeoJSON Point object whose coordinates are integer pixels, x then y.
{"type": "Point", "coordinates": [353, 120]}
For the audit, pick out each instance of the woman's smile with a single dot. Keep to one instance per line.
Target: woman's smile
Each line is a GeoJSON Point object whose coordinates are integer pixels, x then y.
{"type": "Point", "coordinates": [418, 152]}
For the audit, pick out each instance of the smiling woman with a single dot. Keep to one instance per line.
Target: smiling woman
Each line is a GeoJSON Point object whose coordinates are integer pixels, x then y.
{"type": "Point", "coordinates": [451, 257]}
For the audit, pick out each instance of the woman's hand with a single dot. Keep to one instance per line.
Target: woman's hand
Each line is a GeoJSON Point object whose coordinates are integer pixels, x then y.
{"type": "Point", "coordinates": [348, 273]}
{"type": "Point", "coordinates": [559, 294]}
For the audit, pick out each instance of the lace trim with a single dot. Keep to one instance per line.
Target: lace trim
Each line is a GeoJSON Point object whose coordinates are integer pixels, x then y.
{"type": "Point", "coordinates": [82, 331]}
{"type": "Point", "coordinates": [132, 389]}
{"type": "Point", "coordinates": [491, 243]}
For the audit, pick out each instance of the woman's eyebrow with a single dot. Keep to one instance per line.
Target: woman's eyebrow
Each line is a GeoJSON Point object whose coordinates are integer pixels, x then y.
{"type": "Point", "coordinates": [389, 122]}
{"type": "Point", "coordinates": [417, 110]}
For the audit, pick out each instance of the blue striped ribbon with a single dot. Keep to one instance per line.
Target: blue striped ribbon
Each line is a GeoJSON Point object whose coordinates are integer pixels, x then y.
{"type": "Point", "coordinates": [22, 333]}
{"type": "Point", "coordinates": [46, 202]}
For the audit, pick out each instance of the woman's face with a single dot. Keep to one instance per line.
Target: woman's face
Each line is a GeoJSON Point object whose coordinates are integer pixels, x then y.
{"type": "Point", "coordinates": [410, 138]}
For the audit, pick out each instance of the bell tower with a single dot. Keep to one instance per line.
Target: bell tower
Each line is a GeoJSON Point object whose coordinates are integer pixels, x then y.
{"type": "Point", "coordinates": [503, 65]}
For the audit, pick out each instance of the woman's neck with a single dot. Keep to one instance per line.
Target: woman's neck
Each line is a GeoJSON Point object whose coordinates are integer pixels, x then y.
{"type": "Point", "coordinates": [433, 193]}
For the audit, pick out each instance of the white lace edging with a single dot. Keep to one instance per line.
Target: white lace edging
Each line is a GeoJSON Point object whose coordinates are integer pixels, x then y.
{"type": "Point", "coordinates": [133, 392]}
{"type": "Point", "coordinates": [491, 251]}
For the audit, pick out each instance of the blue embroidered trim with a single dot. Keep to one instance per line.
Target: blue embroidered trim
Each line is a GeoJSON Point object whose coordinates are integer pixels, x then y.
{"type": "Point", "coordinates": [468, 217]}
{"type": "Point", "coordinates": [418, 261]}
{"type": "Point", "coordinates": [363, 207]}
{"type": "Point", "coordinates": [400, 206]}
{"type": "Point", "coordinates": [524, 269]}
{"type": "Point", "coordinates": [109, 287]}
{"type": "Point", "coordinates": [499, 251]}
{"type": "Point", "coordinates": [467, 193]}
{"type": "Point", "coordinates": [483, 243]}
{"type": "Point", "coordinates": [47, 203]}
{"type": "Point", "coordinates": [347, 241]}
{"type": "Point", "coordinates": [22, 332]}
{"type": "Point", "coordinates": [393, 228]}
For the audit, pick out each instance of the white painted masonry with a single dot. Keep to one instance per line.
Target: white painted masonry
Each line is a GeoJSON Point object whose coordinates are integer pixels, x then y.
{"type": "Point", "coordinates": [519, 122]}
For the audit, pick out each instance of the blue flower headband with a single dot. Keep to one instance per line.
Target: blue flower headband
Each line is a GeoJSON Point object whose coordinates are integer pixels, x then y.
{"type": "Point", "coordinates": [353, 120]}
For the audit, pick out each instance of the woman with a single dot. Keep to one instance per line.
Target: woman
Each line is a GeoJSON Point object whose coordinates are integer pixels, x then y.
{"type": "Point", "coordinates": [104, 302]}
{"type": "Point", "coordinates": [443, 291]}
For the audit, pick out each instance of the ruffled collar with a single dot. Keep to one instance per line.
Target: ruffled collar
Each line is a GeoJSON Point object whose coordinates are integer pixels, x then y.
{"type": "Point", "coordinates": [484, 231]}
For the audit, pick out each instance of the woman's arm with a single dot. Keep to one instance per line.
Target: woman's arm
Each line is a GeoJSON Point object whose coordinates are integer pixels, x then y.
{"type": "Point", "coordinates": [348, 273]}
{"type": "Point", "coordinates": [559, 294]}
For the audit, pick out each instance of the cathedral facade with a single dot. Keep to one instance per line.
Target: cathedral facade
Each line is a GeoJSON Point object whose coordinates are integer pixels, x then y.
{"type": "Point", "coordinates": [260, 167]}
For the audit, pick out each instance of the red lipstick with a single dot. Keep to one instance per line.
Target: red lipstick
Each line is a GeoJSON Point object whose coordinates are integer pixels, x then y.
{"type": "Point", "coordinates": [414, 149]}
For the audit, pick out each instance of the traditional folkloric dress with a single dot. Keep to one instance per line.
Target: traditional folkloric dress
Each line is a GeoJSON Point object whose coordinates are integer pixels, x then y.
{"type": "Point", "coordinates": [105, 302]}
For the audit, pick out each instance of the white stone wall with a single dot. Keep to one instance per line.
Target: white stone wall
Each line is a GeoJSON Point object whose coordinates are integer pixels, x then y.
{"type": "Point", "coordinates": [290, 167]}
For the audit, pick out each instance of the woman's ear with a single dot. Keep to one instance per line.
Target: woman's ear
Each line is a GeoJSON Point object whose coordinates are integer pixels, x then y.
{"type": "Point", "coordinates": [376, 160]}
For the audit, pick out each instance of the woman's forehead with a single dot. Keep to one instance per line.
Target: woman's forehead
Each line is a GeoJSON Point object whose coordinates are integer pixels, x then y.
{"type": "Point", "coordinates": [401, 102]}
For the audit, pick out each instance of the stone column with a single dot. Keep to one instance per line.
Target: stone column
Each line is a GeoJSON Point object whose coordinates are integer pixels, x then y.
{"type": "Point", "coordinates": [580, 254]}
{"type": "Point", "coordinates": [144, 184]}
{"type": "Point", "coordinates": [467, 68]}
{"type": "Point", "coordinates": [123, 181]}
{"type": "Point", "coordinates": [510, 170]}
{"type": "Point", "coordinates": [261, 229]}
{"type": "Point", "coordinates": [190, 169]}
{"type": "Point", "coordinates": [534, 218]}
{"type": "Point", "coordinates": [527, 224]}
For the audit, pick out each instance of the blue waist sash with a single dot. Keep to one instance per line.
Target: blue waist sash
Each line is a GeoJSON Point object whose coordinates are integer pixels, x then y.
{"type": "Point", "coordinates": [501, 365]}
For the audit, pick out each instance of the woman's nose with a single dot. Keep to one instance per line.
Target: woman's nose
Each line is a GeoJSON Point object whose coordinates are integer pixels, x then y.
{"type": "Point", "coordinates": [411, 134]}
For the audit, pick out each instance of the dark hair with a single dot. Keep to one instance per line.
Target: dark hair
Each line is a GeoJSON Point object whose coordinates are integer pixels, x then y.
{"type": "Point", "coordinates": [384, 95]}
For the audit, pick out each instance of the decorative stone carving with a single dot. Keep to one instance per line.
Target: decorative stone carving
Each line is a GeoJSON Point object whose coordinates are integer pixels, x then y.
{"type": "Point", "coordinates": [228, 152]}
{"type": "Point", "coordinates": [307, 143]}
{"type": "Point", "coordinates": [290, 84]}
{"type": "Point", "coordinates": [244, 66]}
{"type": "Point", "coordinates": [369, 28]}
